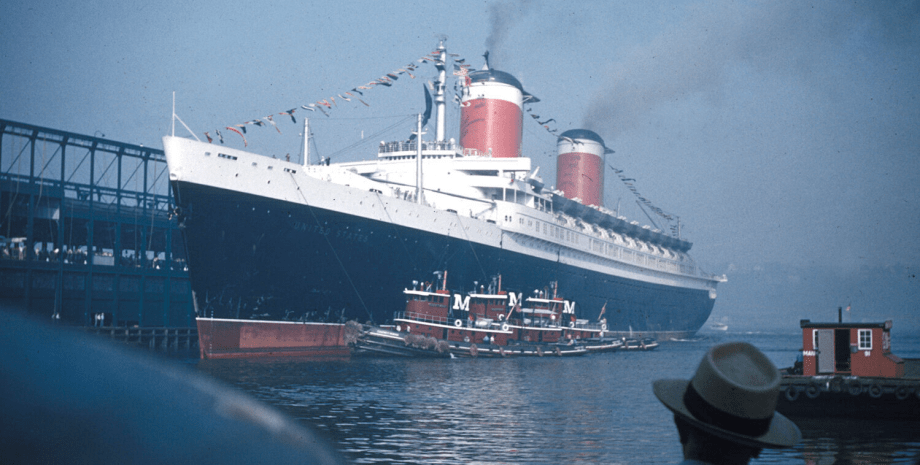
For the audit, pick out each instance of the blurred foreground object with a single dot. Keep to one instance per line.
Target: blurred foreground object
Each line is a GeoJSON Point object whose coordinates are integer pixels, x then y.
{"type": "Point", "coordinates": [70, 398]}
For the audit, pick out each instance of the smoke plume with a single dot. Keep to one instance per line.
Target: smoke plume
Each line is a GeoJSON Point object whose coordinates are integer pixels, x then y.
{"type": "Point", "coordinates": [502, 17]}
{"type": "Point", "coordinates": [694, 58]}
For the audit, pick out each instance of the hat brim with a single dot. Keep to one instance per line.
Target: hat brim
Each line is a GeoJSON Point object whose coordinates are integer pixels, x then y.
{"type": "Point", "coordinates": [782, 432]}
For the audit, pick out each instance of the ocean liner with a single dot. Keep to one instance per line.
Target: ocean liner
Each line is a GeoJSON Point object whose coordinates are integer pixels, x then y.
{"type": "Point", "coordinates": [272, 240]}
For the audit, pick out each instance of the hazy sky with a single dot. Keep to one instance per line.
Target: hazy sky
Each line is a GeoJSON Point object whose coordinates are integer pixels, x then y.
{"type": "Point", "coordinates": [778, 132]}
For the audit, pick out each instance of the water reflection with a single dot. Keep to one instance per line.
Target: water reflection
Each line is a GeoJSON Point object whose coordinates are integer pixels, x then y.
{"type": "Point", "coordinates": [838, 441]}
{"type": "Point", "coordinates": [591, 409]}
{"type": "Point", "coordinates": [430, 411]}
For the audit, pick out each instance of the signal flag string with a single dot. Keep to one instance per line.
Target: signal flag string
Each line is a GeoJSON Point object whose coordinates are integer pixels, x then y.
{"type": "Point", "coordinates": [629, 182]}
{"type": "Point", "coordinates": [328, 104]}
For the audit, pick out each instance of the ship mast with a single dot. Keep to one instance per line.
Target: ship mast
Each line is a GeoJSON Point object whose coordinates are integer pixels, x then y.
{"type": "Point", "coordinates": [439, 92]}
{"type": "Point", "coordinates": [306, 142]}
{"type": "Point", "coordinates": [418, 162]}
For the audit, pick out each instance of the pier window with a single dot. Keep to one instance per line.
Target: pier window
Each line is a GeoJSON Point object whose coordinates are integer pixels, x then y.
{"type": "Point", "coordinates": [865, 339]}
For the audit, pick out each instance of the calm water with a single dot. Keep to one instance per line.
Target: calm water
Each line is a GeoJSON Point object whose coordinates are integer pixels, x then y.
{"type": "Point", "coordinates": [593, 409]}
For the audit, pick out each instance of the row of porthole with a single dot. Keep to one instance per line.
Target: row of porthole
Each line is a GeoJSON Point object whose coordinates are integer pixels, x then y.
{"type": "Point", "coordinates": [576, 234]}
{"type": "Point", "coordinates": [595, 259]}
{"type": "Point", "coordinates": [634, 256]}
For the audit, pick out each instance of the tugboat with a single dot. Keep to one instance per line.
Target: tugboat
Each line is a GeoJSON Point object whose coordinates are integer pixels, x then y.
{"type": "Point", "coordinates": [848, 370]}
{"type": "Point", "coordinates": [485, 323]}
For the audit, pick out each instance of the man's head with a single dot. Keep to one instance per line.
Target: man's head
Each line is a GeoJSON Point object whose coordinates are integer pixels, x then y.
{"type": "Point", "coordinates": [732, 396]}
{"type": "Point", "coordinates": [700, 445]}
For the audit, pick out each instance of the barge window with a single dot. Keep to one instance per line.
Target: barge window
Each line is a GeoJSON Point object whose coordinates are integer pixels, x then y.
{"type": "Point", "coordinates": [865, 339]}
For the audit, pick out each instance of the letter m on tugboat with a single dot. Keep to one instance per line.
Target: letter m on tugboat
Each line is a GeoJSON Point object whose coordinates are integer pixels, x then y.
{"type": "Point", "coordinates": [461, 303]}
{"type": "Point", "coordinates": [568, 307]}
{"type": "Point", "coordinates": [514, 298]}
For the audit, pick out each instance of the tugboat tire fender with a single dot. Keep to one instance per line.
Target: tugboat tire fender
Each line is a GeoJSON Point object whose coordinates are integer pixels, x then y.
{"type": "Point", "coordinates": [854, 389]}
{"type": "Point", "coordinates": [458, 323]}
{"type": "Point", "coordinates": [474, 351]}
{"type": "Point", "coordinates": [558, 351]}
{"type": "Point", "coordinates": [902, 393]}
{"type": "Point", "coordinates": [792, 394]}
{"type": "Point", "coordinates": [812, 391]}
{"type": "Point", "coordinates": [539, 351]}
{"type": "Point", "coordinates": [875, 391]}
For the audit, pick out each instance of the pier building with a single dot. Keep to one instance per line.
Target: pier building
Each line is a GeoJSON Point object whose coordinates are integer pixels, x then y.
{"type": "Point", "coordinates": [87, 234]}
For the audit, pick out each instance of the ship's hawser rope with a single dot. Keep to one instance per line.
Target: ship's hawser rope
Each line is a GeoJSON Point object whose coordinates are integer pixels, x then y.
{"type": "Point", "coordinates": [334, 253]}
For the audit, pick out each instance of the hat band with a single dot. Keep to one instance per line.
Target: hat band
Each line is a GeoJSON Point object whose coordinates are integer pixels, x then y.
{"type": "Point", "coordinates": [706, 412]}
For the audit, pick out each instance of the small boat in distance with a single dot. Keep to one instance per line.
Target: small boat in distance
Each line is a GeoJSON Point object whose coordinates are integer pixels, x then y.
{"type": "Point", "coordinates": [718, 326]}
{"type": "Point", "coordinates": [487, 322]}
{"type": "Point", "coordinates": [639, 344]}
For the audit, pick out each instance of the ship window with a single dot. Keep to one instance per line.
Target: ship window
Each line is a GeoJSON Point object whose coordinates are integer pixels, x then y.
{"type": "Point", "coordinates": [224, 155]}
{"type": "Point", "coordinates": [865, 339]}
{"type": "Point", "coordinates": [207, 154]}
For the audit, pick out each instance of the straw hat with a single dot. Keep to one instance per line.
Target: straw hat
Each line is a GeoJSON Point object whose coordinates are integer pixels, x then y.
{"type": "Point", "coordinates": [732, 395]}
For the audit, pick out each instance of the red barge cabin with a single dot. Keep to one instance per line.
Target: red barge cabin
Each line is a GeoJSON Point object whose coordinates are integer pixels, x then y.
{"type": "Point", "coordinates": [849, 349]}
{"type": "Point", "coordinates": [848, 370]}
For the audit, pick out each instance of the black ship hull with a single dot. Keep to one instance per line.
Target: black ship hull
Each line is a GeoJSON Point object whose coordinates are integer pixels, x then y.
{"type": "Point", "coordinates": [262, 258]}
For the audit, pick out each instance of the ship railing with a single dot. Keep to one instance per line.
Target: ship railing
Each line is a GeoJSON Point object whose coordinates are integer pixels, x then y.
{"type": "Point", "coordinates": [415, 316]}
{"type": "Point", "coordinates": [402, 146]}
{"type": "Point", "coordinates": [540, 323]}
{"type": "Point", "coordinates": [586, 325]}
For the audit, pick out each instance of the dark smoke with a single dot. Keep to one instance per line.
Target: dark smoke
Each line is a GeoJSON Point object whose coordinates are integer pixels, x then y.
{"type": "Point", "coordinates": [502, 17]}
{"type": "Point", "coordinates": [799, 40]}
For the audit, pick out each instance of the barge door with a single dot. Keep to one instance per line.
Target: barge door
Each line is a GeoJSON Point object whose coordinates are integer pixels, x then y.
{"type": "Point", "coordinates": [842, 350]}
{"type": "Point", "coordinates": [824, 340]}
